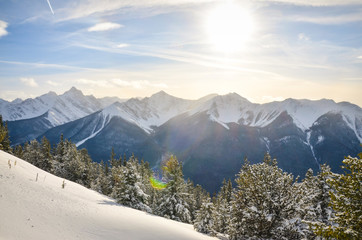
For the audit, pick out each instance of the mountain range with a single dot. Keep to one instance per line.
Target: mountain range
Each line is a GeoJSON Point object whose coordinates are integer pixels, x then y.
{"type": "Point", "coordinates": [211, 135]}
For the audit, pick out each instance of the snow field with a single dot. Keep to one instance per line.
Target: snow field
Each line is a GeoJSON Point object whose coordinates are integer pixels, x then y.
{"type": "Point", "coordinates": [33, 205]}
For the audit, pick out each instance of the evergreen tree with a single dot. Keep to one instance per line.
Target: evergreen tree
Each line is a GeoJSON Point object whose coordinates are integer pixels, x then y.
{"type": "Point", "coordinates": [58, 160]}
{"type": "Point", "coordinates": [204, 221]}
{"type": "Point", "coordinates": [18, 151]}
{"type": "Point", "coordinates": [263, 204]}
{"type": "Point", "coordinates": [102, 181]}
{"type": "Point", "coordinates": [4, 136]}
{"type": "Point", "coordinates": [46, 162]}
{"type": "Point", "coordinates": [128, 187]}
{"type": "Point", "coordinates": [33, 153]}
{"type": "Point", "coordinates": [222, 210]}
{"type": "Point", "coordinates": [88, 171]}
{"type": "Point", "coordinates": [172, 202]}
{"type": "Point", "coordinates": [346, 201]}
{"type": "Point", "coordinates": [314, 197]}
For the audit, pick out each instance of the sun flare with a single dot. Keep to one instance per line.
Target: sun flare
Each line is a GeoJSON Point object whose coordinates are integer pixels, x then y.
{"type": "Point", "coordinates": [229, 27]}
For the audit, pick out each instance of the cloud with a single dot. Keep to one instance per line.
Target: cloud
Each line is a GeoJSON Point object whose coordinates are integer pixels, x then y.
{"type": "Point", "coordinates": [122, 45]}
{"type": "Point", "coordinates": [137, 84]}
{"type": "Point", "coordinates": [330, 20]}
{"type": "Point", "coordinates": [266, 99]}
{"type": "Point", "coordinates": [84, 8]}
{"type": "Point", "coordinates": [359, 57]}
{"type": "Point", "coordinates": [3, 26]}
{"type": "Point", "coordinates": [12, 95]}
{"type": "Point", "coordinates": [116, 82]}
{"type": "Point", "coordinates": [93, 83]}
{"type": "Point", "coordinates": [54, 84]}
{"type": "Point", "coordinates": [106, 26]}
{"type": "Point", "coordinates": [29, 82]}
{"type": "Point", "coordinates": [303, 37]}
{"type": "Point", "coordinates": [48, 65]}
{"type": "Point", "coordinates": [317, 2]}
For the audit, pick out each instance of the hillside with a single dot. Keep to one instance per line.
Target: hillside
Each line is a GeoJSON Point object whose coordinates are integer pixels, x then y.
{"type": "Point", "coordinates": [42, 209]}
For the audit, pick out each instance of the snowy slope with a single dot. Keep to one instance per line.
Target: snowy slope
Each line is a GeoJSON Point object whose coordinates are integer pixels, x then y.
{"type": "Point", "coordinates": [41, 209]}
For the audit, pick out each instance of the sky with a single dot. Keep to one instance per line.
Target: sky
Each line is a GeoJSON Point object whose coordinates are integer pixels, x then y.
{"type": "Point", "coordinates": [265, 51]}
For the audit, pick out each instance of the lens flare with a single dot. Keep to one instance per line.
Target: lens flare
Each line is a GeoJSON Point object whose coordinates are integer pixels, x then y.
{"type": "Point", "coordinates": [157, 184]}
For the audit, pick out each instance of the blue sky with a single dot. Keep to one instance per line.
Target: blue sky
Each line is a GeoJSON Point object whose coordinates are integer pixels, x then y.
{"type": "Point", "coordinates": [295, 49]}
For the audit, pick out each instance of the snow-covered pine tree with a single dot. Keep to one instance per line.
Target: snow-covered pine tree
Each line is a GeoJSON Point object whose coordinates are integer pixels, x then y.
{"type": "Point", "coordinates": [263, 204]}
{"type": "Point", "coordinates": [18, 151]}
{"type": "Point", "coordinates": [101, 182]}
{"type": "Point", "coordinates": [46, 162]}
{"type": "Point", "coordinates": [33, 153]}
{"type": "Point", "coordinates": [346, 195]}
{"type": "Point", "coordinates": [88, 171]}
{"type": "Point", "coordinates": [128, 187]}
{"type": "Point", "coordinates": [222, 209]}
{"type": "Point", "coordinates": [58, 160]}
{"type": "Point", "coordinates": [314, 199]}
{"type": "Point", "coordinates": [204, 221]}
{"type": "Point", "coordinates": [172, 202]}
{"type": "Point", "coordinates": [191, 200]}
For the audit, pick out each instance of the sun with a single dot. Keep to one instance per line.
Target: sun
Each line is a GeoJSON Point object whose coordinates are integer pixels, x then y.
{"type": "Point", "coordinates": [229, 27]}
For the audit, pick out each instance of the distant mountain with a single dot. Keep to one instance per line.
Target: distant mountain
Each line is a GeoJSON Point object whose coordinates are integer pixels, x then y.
{"type": "Point", "coordinates": [212, 135]}
{"type": "Point", "coordinates": [32, 117]}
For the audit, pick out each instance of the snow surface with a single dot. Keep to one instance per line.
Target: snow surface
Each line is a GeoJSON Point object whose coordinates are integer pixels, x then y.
{"type": "Point", "coordinates": [42, 209]}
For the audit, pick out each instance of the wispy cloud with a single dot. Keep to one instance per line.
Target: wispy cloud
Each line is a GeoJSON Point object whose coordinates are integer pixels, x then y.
{"type": "Point", "coordinates": [84, 8]}
{"type": "Point", "coordinates": [117, 82]}
{"type": "Point", "coordinates": [122, 45]}
{"type": "Point", "coordinates": [48, 65]}
{"type": "Point", "coordinates": [105, 26]}
{"type": "Point", "coordinates": [271, 99]}
{"type": "Point", "coordinates": [303, 37]}
{"type": "Point", "coordinates": [51, 83]}
{"type": "Point", "coordinates": [330, 20]}
{"type": "Point", "coordinates": [137, 84]}
{"type": "Point", "coordinates": [317, 2]}
{"type": "Point", "coordinates": [183, 57]}
{"type": "Point", "coordinates": [3, 26]}
{"type": "Point", "coordinates": [29, 82]}
{"type": "Point", "coordinates": [11, 95]}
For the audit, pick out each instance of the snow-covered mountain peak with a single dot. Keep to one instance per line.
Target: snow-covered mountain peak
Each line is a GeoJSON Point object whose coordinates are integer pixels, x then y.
{"type": "Point", "coordinates": [60, 109]}
{"type": "Point", "coordinates": [17, 100]}
{"type": "Point", "coordinates": [114, 109]}
{"type": "Point", "coordinates": [162, 99]}
{"type": "Point", "coordinates": [223, 108]}
{"type": "Point", "coordinates": [73, 92]}
{"type": "Point", "coordinates": [149, 111]}
{"type": "Point", "coordinates": [161, 94]}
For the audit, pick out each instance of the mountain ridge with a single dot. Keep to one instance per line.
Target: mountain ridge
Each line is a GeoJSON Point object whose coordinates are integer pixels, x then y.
{"type": "Point", "coordinates": [216, 131]}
